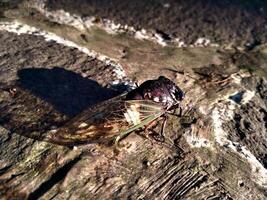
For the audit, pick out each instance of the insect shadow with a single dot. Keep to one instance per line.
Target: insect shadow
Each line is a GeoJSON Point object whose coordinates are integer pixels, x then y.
{"type": "Point", "coordinates": [67, 91]}
{"type": "Point", "coordinates": [45, 98]}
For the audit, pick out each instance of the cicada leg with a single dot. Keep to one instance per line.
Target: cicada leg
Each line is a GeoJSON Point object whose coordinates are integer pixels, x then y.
{"type": "Point", "coordinates": [184, 114]}
{"type": "Point", "coordinates": [150, 129]}
{"type": "Point", "coordinates": [163, 125]}
{"type": "Point", "coordinates": [188, 117]}
{"type": "Point", "coordinates": [141, 125]}
{"type": "Point", "coordinates": [117, 140]}
{"type": "Point", "coordinates": [173, 112]}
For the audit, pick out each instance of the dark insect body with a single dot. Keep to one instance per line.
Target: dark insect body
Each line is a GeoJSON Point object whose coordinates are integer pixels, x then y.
{"type": "Point", "coordinates": [114, 119]}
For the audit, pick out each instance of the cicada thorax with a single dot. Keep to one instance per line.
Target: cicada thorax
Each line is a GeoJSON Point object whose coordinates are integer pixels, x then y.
{"type": "Point", "coordinates": [162, 91]}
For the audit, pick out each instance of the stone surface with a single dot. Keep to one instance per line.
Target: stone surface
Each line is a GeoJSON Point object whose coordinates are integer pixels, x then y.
{"type": "Point", "coordinates": [224, 22]}
{"type": "Point", "coordinates": [43, 83]}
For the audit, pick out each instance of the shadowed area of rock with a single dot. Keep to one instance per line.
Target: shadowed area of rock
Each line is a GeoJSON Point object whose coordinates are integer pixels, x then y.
{"type": "Point", "coordinates": [68, 92]}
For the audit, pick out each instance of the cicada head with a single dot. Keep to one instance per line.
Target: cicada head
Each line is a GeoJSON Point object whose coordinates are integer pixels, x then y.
{"type": "Point", "coordinates": [172, 94]}
{"type": "Point", "coordinates": [161, 90]}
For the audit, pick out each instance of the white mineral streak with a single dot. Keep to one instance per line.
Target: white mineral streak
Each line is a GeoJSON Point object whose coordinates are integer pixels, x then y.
{"type": "Point", "coordinates": [202, 42]}
{"type": "Point", "coordinates": [20, 28]}
{"type": "Point", "coordinates": [83, 23]}
{"type": "Point", "coordinates": [141, 35]}
{"type": "Point", "coordinates": [248, 95]}
{"type": "Point", "coordinates": [179, 42]}
{"type": "Point", "coordinates": [197, 142]}
{"type": "Point", "coordinates": [160, 40]}
{"type": "Point", "coordinates": [222, 113]}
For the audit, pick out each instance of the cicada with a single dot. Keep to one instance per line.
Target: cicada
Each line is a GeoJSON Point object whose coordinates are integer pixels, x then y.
{"type": "Point", "coordinates": [115, 118]}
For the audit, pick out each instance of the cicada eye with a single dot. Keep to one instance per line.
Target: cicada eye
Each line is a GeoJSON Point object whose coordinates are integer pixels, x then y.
{"type": "Point", "coordinates": [179, 94]}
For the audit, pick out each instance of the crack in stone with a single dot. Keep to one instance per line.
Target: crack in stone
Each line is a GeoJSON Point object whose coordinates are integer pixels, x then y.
{"type": "Point", "coordinates": [58, 176]}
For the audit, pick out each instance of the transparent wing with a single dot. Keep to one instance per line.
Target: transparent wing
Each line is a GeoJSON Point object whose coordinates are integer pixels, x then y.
{"type": "Point", "coordinates": [103, 122]}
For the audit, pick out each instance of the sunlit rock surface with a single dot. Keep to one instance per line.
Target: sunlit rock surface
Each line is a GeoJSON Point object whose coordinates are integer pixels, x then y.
{"type": "Point", "coordinates": [51, 69]}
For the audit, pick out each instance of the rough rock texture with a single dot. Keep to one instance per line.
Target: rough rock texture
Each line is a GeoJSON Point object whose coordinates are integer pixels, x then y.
{"type": "Point", "coordinates": [249, 122]}
{"type": "Point", "coordinates": [221, 154]}
{"type": "Point", "coordinates": [237, 21]}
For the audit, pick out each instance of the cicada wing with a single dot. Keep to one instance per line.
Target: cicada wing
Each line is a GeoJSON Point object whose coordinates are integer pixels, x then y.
{"type": "Point", "coordinates": [105, 121]}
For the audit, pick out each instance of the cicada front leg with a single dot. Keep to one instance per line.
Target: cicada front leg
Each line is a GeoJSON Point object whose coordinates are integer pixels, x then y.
{"type": "Point", "coordinates": [150, 132]}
